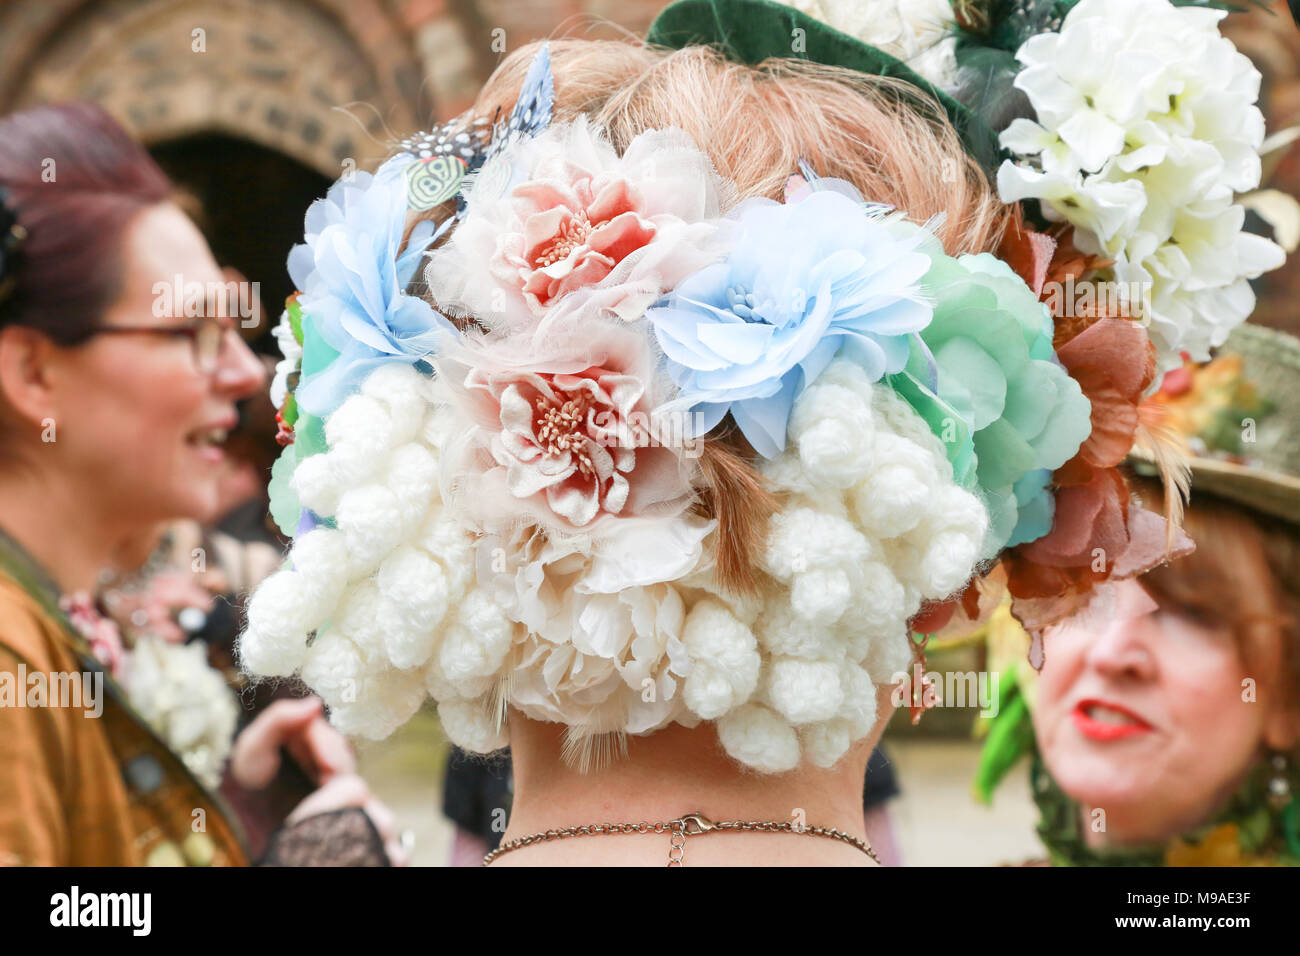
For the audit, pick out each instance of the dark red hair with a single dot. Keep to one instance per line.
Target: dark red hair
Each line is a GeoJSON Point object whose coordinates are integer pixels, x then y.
{"type": "Point", "coordinates": [75, 179]}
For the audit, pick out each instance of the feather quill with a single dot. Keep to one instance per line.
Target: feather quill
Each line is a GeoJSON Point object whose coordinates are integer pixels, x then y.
{"type": "Point", "coordinates": [499, 699]}
{"type": "Point", "coordinates": [587, 749]}
{"type": "Point", "coordinates": [1165, 447]}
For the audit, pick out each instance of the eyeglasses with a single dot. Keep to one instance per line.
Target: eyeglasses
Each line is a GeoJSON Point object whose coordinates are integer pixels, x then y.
{"type": "Point", "coordinates": [207, 337]}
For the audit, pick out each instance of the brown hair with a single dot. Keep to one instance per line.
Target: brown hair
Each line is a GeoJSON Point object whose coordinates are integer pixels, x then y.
{"type": "Point", "coordinates": [1243, 576]}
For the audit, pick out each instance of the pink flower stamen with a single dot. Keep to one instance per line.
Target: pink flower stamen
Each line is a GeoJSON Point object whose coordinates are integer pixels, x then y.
{"type": "Point", "coordinates": [562, 428]}
{"type": "Point", "coordinates": [571, 235]}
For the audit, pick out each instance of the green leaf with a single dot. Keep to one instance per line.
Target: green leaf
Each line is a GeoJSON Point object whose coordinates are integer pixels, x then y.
{"type": "Point", "coordinates": [285, 507]}
{"type": "Point", "coordinates": [1010, 739]}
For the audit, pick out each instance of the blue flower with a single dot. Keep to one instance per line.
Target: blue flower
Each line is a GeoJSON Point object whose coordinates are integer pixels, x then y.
{"type": "Point", "coordinates": [805, 281]}
{"type": "Point", "coordinates": [356, 315]}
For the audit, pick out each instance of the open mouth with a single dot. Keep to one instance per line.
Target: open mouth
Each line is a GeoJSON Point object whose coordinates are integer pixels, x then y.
{"type": "Point", "coordinates": [1100, 720]}
{"type": "Point", "coordinates": [208, 442]}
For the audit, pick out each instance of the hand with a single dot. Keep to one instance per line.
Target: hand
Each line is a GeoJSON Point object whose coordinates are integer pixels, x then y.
{"type": "Point", "coordinates": [299, 726]}
{"type": "Point", "coordinates": [151, 609]}
{"type": "Point", "coordinates": [349, 790]}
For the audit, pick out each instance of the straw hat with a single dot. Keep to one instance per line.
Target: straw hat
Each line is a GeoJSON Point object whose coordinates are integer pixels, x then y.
{"type": "Point", "coordinates": [1263, 471]}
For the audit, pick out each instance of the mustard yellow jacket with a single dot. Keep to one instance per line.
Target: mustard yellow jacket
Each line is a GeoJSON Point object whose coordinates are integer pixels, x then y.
{"type": "Point", "coordinates": [79, 789]}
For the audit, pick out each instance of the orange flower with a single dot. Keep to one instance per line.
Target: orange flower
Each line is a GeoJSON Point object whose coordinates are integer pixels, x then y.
{"type": "Point", "coordinates": [1097, 531]}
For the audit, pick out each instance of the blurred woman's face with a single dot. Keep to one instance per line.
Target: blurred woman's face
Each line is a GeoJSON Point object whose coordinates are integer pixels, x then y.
{"type": "Point", "coordinates": [135, 411]}
{"type": "Point", "coordinates": [1144, 713]}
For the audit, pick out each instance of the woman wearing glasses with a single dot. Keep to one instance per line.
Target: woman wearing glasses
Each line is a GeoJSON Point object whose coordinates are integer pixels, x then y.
{"type": "Point", "coordinates": [115, 399]}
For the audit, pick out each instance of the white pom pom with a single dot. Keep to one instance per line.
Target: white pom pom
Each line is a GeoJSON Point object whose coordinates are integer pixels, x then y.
{"type": "Point", "coordinates": [889, 656]}
{"type": "Point", "coordinates": [789, 543]}
{"type": "Point", "coordinates": [361, 423]}
{"type": "Point", "coordinates": [318, 484]}
{"type": "Point", "coordinates": [279, 620]}
{"type": "Point", "coordinates": [436, 682]}
{"type": "Point", "coordinates": [359, 434]}
{"type": "Point", "coordinates": [848, 374]}
{"type": "Point", "coordinates": [398, 617]}
{"type": "Point", "coordinates": [453, 547]}
{"type": "Point", "coordinates": [400, 387]}
{"type": "Point", "coordinates": [783, 632]}
{"type": "Point", "coordinates": [320, 557]}
{"type": "Point", "coordinates": [416, 585]}
{"type": "Point", "coordinates": [949, 542]}
{"type": "Point", "coordinates": [412, 476]}
{"type": "Point", "coordinates": [821, 595]}
{"type": "Point", "coordinates": [896, 493]}
{"type": "Point", "coordinates": [405, 646]}
{"type": "Point", "coordinates": [467, 726]}
{"type": "Point", "coordinates": [334, 669]}
{"type": "Point", "coordinates": [825, 743]}
{"type": "Point", "coordinates": [359, 619]}
{"type": "Point", "coordinates": [801, 538]}
{"type": "Point", "coordinates": [759, 738]}
{"type": "Point", "coordinates": [832, 429]}
{"type": "Point", "coordinates": [371, 519]}
{"type": "Point", "coordinates": [880, 602]}
{"type": "Point", "coordinates": [785, 472]}
{"type": "Point", "coordinates": [442, 688]}
{"type": "Point", "coordinates": [895, 416]}
{"type": "Point", "coordinates": [481, 616]}
{"type": "Point", "coordinates": [268, 655]}
{"type": "Point", "coordinates": [804, 692]}
{"type": "Point", "coordinates": [725, 660]}
{"type": "Point", "coordinates": [477, 644]}
{"type": "Point", "coordinates": [385, 701]}
{"type": "Point", "coordinates": [948, 563]}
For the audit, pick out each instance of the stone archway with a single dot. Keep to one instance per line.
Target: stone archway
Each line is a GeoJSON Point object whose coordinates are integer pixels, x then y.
{"type": "Point", "coordinates": [248, 200]}
{"type": "Point", "coordinates": [270, 72]}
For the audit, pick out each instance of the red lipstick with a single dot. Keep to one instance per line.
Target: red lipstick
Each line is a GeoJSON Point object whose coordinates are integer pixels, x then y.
{"type": "Point", "coordinates": [1104, 720]}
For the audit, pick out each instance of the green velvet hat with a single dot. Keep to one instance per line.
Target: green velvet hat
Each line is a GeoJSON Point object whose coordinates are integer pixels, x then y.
{"type": "Point", "coordinates": [750, 31]}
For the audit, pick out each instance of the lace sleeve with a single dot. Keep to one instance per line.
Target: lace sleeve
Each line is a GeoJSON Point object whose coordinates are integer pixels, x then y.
{"type": "Point", "coordinates": [344, 837]}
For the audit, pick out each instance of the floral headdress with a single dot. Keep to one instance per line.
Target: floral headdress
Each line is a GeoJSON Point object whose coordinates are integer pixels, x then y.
{"type": "Point", "coordinates": [661, 456]}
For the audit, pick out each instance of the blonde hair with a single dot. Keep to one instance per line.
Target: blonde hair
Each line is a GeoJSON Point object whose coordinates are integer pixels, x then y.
{"type": "Point", "coordinates": [755, 122]}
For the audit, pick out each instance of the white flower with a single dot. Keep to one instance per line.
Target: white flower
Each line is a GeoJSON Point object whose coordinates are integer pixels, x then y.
{"type": "Point", "coordinates": [918, 32]}
{"type": "Point", "coordinates": [186, 701]}
{"type": "Point", "coordinates": [1147, 128]}
{"type": "Point", "coordinates": [292, 353]}
{"type": "Point", "coordinates": [603, 623]}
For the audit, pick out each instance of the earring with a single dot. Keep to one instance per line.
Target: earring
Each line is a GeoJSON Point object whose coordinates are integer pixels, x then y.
{"type": "Point", "coordinates": [1279, 783]}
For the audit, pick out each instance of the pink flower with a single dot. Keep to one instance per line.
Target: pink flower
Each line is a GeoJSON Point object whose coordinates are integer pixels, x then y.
{"type": "Point", "coordinates": [100, 632]}
{"type": "Point", "coordinates": [566, 438]}
{"type": "Point", "coordinates": [563, 213]}
{"type": "Point", "coordinates": [573, 236]}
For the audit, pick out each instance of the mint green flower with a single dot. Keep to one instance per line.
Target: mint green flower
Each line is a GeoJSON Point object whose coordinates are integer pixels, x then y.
{"type": "Point", "coordinates": [991, 388]}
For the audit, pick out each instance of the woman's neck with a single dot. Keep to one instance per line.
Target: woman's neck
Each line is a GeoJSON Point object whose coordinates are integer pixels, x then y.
{"type": "Point", "coordinates": [53, 521]}
{"type": "Point", "coordinates": [665, 775]}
